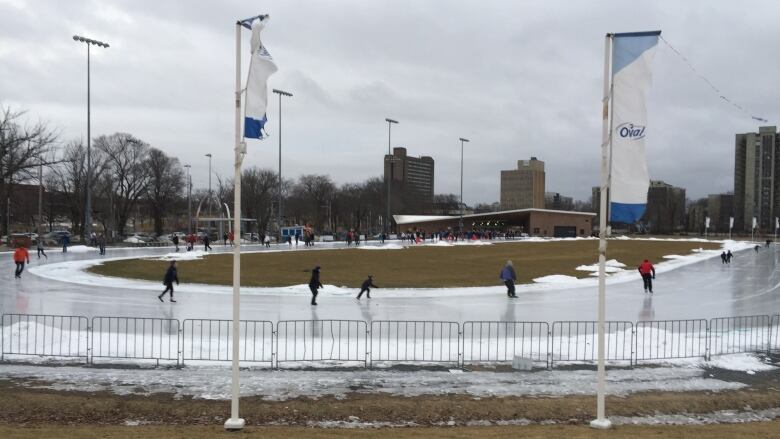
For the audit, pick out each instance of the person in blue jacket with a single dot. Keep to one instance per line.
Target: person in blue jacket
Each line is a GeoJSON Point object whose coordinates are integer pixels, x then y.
{"type": "Point", "coordinates": [171, 276]}
{"type": "Point", "coordinates": [509, 277]}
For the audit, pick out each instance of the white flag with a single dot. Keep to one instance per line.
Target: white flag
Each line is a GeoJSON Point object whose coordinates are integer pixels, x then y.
{"type": "Point", "coordinates": [754, 222]}
{"type": "Point", "coordinates": [261, 66]}
{"type": "Point", "coordinates": [632, 55]}
{"type": "Point", "coordinates": [707, 223]}
{"type": "Point", "coordinates": [777, 223]}
{"type": "Point", "coordinates": [731, 222]}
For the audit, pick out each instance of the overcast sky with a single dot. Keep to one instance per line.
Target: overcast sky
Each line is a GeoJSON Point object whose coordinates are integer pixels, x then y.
{"type": "Point", "coordinates": [519, 78]}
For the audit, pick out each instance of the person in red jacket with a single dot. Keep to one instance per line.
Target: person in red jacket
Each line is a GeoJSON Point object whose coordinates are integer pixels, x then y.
{"type": "Point", "coordinates": [647, 271]}
{"type": "Point", "coordinates": [20, 257]}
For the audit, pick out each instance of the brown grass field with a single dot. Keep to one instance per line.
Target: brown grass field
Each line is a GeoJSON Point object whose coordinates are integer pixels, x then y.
{"type": "Point", "coordinates": [415, 267]}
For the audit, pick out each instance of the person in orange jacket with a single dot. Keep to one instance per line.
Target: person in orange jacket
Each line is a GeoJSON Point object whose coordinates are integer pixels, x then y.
{"type": "Point", "coordinates": [20, 257]}
{"type": "Point", "coordinates": [647, 271]}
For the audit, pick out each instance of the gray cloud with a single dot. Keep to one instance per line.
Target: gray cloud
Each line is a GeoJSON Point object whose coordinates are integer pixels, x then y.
{"type": "Point", "coordinates": [517, 78]}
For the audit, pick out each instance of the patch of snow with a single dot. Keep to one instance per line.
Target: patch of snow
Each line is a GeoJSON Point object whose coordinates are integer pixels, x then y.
{"type": "Point", "coordinates": [555, 279]}
{"type": "Point", "coordinates": [81, 249]}
{"type": "Point", "coordinates": [390, 246]}
{"type": "Point", "coordinates": [183, 255]}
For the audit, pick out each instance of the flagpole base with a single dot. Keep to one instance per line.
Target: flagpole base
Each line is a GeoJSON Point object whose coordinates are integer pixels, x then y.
{"type": "Point", "coordinates": [234, 424]}
{"type": "Point", "coordinates": [601, 424]}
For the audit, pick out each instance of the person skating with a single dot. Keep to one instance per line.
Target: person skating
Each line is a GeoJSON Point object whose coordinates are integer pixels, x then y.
{"type": "Point", "coordinates": [175, 241]}
{"type": "Point", "coordinates": [729, 255]}
{"type": "Point", "coordinates": [206, 246]}
{"type": "Point", "coordinates": [102, 244]}
{"type": "Point", "coordinates": [723, 257]}
{"type": "Point", "coordinates": [315, 284]}
{"type": "Point", "coordinates": [366, 287]}
{"type": "Point", "coordinates": [20, 256]}
{"type": "Point", "coordinates": [231, 238]}
{"type": "Point", "coordinates": [170, 276]}
{"type": "Point", "coordinates": [41, 250]}
{"type": "Point", "coordinates": [757, 247]}
{"type": "Point", "coordinates": [65, 242]}
{"type": "Point", "coordinates": [267, 241]}
{"type": "Point", "coordinates": [509, 277]}
{"type": "Point", "coordinates": [647, 271]}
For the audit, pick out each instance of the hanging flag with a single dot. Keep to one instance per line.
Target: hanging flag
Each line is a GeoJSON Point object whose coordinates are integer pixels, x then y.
{"type": "Point", "coordinates": [707, 222]}
{"type": "Point", "coordinates": [754, 222]}
{"type": "Point", "coordinates": [261, 66]}
{"type": "Point", "coordinates": [632, 55]}
{"type": "Point", "coordinates": [731, 222]}
{"type": "Point", "coordinates": [777, 223]}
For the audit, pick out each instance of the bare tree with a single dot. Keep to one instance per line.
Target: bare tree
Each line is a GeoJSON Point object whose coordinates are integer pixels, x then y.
{"type": "Point", "coordinates": [258, 188]}
{"type": "Point", "coordinates": [126, 166]}
{"type": "Point", "coordinates": [22, 147]}
{"type": "Point", "coordinates": [70, 177]}
{"type": "Point", "coordinates": [310, 199]}
{"type": "Point", "coordinates": [166, 181]}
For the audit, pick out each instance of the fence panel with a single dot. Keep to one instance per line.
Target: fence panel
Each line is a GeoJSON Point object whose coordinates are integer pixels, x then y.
{"type": "Point", "coordinates": [321, 340]}
{"type": "Point", "coordinates": [490, 342]}
{"type": "Point", "coordinates": [733, 335]}
{"type": "Point", "coordinates": [45, 335]}
{"type": "Point", "coordinates": [576, 341]}
{"type": "Point", "coordinates": [774, 337]}
{"type": "Point", "coordinates": [136, 338]}
{"type": "Point", "coordinates": [402, 341]}
{"type": "Point", "coordinates": [212, 340]}
{"type": "Point", "coordinates": [667, 339]}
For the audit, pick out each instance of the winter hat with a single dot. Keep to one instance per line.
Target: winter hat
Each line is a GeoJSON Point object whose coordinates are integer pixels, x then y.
{"type": "Point", "coordinates": [509, 263]}
{"type": "Point", "coordinates": [317, 267]}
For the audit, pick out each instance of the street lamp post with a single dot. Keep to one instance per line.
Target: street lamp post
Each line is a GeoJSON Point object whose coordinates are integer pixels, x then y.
{"type": "Point", "coordinates": [390, 122]}
{"type": "Point", "coordinates": [87, 230]}
{"type": "Point", "coordinates": [189, 199]}
{"type": "Point", "coordinates": [279, 208]}
{"type": "Point", "coordinates": [460, 222]}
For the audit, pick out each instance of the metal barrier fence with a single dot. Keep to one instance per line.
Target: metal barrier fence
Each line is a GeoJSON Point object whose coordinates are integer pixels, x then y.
{"type": "Point", "coordinates": [577, 341]}
{"type": "Point", "coordinates": [490, 342]}
{"type": "Point", "coordinates": [135, 338]}
{"type": "Point", "coordinates": [395, 341]}
{"type": "Point", "coordinates": [211, 340]}
{"type": "Point", "coordinates": [667, 339]}
{"type": "Point", "coordinates": [409, 341]}
{"type": "Point", "coordinates": [733, 335]}
{"type": "Point", "coordinates": [45, 336]}
{"type": "Point", "coordinates": [322, 340]}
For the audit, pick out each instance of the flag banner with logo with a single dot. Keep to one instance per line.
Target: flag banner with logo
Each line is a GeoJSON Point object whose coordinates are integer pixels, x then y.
{"type": "Point", "coordinates": [261, 67]}
{"type": "Point", "coordinates": [707, 222]}
{"type": "Point", "coordinates": [731, 222]}
{"type": "Point", "coordinates": [632, 56]}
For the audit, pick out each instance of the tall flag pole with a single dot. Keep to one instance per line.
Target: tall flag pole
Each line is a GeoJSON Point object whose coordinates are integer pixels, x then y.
{"type": "Point", "coordinates": [261, 66]}
{"type": "Point", "coordinates": [624, 177]}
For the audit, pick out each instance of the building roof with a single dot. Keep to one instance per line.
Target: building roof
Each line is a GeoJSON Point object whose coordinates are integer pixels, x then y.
{"type": "Point", "coordinates": [409, 219]}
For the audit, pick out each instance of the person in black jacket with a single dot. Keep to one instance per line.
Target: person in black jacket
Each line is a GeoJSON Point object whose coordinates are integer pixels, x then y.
{"type": "Point", "coordinates": [365, 288]}
{"type": "Point", "coordinates": [315, 284]}
{"type": "Point", "coordinates": [206, 241]}
{"type": "Point", "coordinates": [170, 277]}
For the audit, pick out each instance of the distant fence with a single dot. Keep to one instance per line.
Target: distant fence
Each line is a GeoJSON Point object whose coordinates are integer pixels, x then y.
{"type": "Point", "coordinates": [381, 342]}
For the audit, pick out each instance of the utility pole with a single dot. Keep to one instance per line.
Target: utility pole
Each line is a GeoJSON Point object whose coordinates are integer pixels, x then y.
{"type": "Point", "coordinates": [279, 208]}
{"type": "Point", "coordinates": [460, 222]}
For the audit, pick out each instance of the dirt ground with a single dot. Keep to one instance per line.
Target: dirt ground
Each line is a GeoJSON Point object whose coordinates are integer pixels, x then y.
{"type": "Point", "coordinates": [415, 267]}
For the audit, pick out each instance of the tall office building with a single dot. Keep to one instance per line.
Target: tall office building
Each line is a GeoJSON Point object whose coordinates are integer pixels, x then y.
{"type": "Point", "coordinates": [412, 179]}
{"type": "Point", "coordinates": [523, 188]}
{"type": "Point", "coordinates": [756, 190]}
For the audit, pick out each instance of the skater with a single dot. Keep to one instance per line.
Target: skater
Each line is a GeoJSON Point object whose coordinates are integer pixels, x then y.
{"type": "Point", "coordinates": [175, 240]}
{"type": "Point", "coordinates": [65, 242]}
{"type": "Point", "coordinates": [729, 255]}
{"type": "Point", "coordinates": [647, 271]}
{"type": "Point", "coordinates": [381, 238]}
{"type": "Point", "coordinates": [366, 287]}
{"type": "Point", "coordinates": [315, 284]}
{"type": "Point", "coordinates": [102, 244]}
{"type": "Point", "coordinates": [20, 256]}
{"type": "Point", "coordinates": [756, 248]}
{"type": "Point", "coordinates": [41, 251]}
{"type": "Point", "coordinates": [170, 276]}
{"type": "Point", "coordinates": [296, 240]}
{"type": "Point", "coordinates": [231, 238]}
{"type": "Point", "coordinates": [206, 246]}
{"type": "Point", "coordinates": [225, 239]}
{"type": "Point", "coordinates": [723, 257]}
{"type": "Point", "coordinates": [509, 277]}
{"type": "Point", "coordinates": [267, 241]}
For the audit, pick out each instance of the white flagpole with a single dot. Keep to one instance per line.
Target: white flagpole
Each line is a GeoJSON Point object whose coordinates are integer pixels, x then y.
{"type": "Point", "coordinates": [601, 421]}
{"type": "Point", "coordinates": [235, 422]}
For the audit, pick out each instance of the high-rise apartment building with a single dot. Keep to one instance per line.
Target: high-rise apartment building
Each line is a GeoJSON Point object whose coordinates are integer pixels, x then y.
{"type": "Point", "coordinates": [665, 211]}
{"type": "Point", "coordinates": [757, 179]}
{"type": "Point", "coordinates": [523, 188]}
{"type": "Point", "coordinates": [412, 179]}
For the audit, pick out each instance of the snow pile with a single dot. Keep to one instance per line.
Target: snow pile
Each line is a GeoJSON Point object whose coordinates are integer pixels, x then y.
{"type": "Point", "coordinates": [612, 266]}
{"type": "Point", "coordinates": [390, 246]}
{"type": "Point", "coordinates": [81, 249]}
{"type": "Point", "coordinates": [183, 256]}
{"type": "Point", "coordinates": [555, 279]}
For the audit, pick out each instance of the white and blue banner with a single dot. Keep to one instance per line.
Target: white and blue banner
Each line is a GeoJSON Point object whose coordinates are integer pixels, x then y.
{"type": "Point", "coordinates": [261, 67]}
{"type": "Point", "coordinates": [632, 56]}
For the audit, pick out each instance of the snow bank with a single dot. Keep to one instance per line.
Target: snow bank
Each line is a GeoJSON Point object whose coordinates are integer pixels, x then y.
{"type": "Point", "coordinates": [81, 249]}
{"type": "Point", "coordinates": [391, 246]}
{"type": "Point", "coordinates": [612, 266]}
{"type": "Point", "coordinates": [183, 255]}
{"type": "Point", "coordinates": [555, 279]}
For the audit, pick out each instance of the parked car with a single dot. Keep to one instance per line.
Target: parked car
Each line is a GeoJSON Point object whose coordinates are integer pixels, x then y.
{"type": "Point", "coordinates": [55, 237]}
{"type": "Point", "coordinates": [139, 238]}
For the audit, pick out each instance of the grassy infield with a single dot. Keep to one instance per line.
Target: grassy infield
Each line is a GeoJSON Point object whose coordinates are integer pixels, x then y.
{"type": "Point", "coordinates": [421, 267]}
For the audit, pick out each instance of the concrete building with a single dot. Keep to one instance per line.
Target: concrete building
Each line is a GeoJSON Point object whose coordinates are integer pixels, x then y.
{"type": "Point", "coordinates": [665, 212]}
{"type": "Point", "coordinates": [756, 188]}
{"type": "Point", "coordinates": [523, 188]}
{"type": "Point", "coordinates": [412, 178]}
{"type": "Point", "coordinates": [720, 207]}
{"type": "Point", "coordinates": [535, 222]}
{"type": "Point", "coordinates": [556, 201]}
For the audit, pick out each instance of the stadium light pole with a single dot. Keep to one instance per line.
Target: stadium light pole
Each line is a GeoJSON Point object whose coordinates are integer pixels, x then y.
{"type": "Point", "coordinates": [279, 207]}
{"type": "Point", "coordinates": [460, 222]}
{"type": "Point", "coordinates": [209, 193]}
{"type": "Point", "coordinates": [390, 123]}
{"type": "Point", "coordinates": [87, 229]}
{"type": "Point", "coordinates": [189, 199]}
